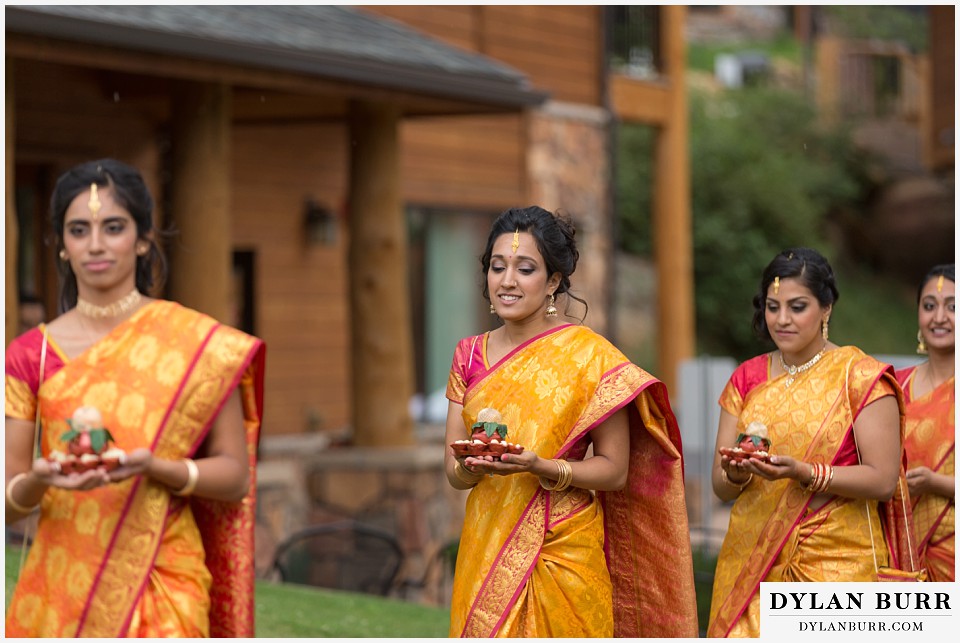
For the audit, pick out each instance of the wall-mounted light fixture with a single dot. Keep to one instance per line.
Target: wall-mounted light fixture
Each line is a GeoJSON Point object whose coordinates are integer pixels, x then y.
{"type": "Point", "coordinates": [319, 224]}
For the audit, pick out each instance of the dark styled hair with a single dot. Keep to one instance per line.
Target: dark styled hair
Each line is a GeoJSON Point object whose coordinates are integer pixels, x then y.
{"type": "Point", "coordinates": [805, 264]}
{"type": "Point", "coordinates": [131, 192]}
{"type": "Point", "coordinates": [948, 270]}
{"type": "Point", "coordinates": [554, 235]}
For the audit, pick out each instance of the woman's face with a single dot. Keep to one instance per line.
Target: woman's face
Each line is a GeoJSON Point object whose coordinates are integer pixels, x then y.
{"type": "Point", "coordinates": [794, 318]}
{"type": "Point", "coordinates": [101, 246]}
{"type": "Point", "coordinates": [517, 280]}
{"type": "Point", "coordinates": [935, 315]}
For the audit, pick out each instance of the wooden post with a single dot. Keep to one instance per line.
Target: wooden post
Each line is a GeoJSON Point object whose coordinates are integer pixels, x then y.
{"type": "Point", "coordinates": [672, 229]}
{"type": "Point", "coordinates": [381, 343]}
{"type": "Point", "coordinates": [12, 300]}
{"type": "Point", "coordinates": [940, 89]}
{"type": "Point", "coordinates": [201, 259]}
{"type": "Point", "coordinates": [829, 51]}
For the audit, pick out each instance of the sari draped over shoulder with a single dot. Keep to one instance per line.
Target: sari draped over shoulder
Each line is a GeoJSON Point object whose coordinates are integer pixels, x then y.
{"type": "Point", "coordinates": [930, 441]}
{"type": "Point", "coordinates": [131, 559]}
{"type": "Point", "coordinates": [773, 533]}
{"type": "Point", "coordinates": [572, 564]}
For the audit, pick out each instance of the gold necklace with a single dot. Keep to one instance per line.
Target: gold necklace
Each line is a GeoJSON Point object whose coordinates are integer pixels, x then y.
{"type": "Point", "coordinates": [793, 371]}
{"type": "Point", "coordinates": [117, 308]}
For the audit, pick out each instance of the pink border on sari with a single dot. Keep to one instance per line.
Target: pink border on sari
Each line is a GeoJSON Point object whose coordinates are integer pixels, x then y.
{"type": "Point", "coordinates": [133, 494]}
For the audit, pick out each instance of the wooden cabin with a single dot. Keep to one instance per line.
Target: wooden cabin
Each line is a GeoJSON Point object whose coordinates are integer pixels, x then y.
{"type": "Point", "coordinates": [331, 172]}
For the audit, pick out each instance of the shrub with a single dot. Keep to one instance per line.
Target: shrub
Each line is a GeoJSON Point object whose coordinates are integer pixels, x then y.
{"type": "Point", "coordinates": [765, 175]}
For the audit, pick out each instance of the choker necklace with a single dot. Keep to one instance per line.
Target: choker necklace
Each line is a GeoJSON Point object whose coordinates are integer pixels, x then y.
{"type": "Point", "coordinates": [793, 371]}
{"type": "Point", "coordinates": [115, 309]}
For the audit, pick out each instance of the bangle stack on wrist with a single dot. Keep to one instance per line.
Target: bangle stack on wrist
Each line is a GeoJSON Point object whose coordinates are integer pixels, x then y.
{"type": "Point", "coordinates": [822, 476]}
{"type": "Point", "coordinates": [564, 477]}
{"type": "Point", "coordinates": [464, 475]}
{"type": "Point", "coordinates": [738, 485]}
{"type": "Point", "coordinates": [13, 503]}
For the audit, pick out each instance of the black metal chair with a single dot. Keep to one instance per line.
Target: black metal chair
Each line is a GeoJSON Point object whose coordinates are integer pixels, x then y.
{"type": "Point", "coordinates": [344, 555]}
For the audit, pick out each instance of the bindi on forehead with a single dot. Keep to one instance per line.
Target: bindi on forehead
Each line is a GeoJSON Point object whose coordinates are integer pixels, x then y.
{"type": "Point", "coordinates": [95, 205]}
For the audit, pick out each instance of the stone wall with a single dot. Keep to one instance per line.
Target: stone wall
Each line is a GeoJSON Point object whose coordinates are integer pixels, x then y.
{"type": "Point", "coordinates": [568, 163]}
{"type": "Point", "coordinates": [400, 490]}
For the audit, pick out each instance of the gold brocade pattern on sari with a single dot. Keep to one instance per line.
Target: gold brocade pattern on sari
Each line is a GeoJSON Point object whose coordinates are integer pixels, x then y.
{"type": "Point", "coordinates": [19, 399]}
{"type": "Point", "coordinates": [541, 553]}
{"type": "Point", "coordinates": [930, 442]}
{"type": "Point", "coordinates": [771, 535]}
{"type": "Point", "coordinates": [112, 535]}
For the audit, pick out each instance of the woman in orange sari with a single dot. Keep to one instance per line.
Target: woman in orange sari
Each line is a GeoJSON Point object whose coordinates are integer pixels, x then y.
{"type": "Point", "coordinates": [930, 437]}
{"type": "Point", "coordinates": [161, 546]}
{"type": "Point", "coordinates": [584, 533]}
{"type": "Point", "coordinates": [827, 504]}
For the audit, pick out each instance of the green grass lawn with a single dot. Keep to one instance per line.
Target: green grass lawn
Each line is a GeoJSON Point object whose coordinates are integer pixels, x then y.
{"type": "Point", "coordinates": [298, 611]}
{"type": "Point", "coordinates": [286, 611]}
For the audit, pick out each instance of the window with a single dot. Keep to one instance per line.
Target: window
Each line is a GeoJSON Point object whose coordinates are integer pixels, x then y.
{"type": "Point", "coordinates": [633, 40]}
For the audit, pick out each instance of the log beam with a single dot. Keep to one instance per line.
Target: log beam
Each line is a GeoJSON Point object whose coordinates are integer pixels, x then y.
{"type": "Point", "coordinates": [382, 337]}
{"type": "Point", "coordinates": [201, 259]}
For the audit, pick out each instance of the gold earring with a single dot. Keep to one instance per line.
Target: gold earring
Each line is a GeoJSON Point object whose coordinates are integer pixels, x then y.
{"type": "Point", "coordinates": [493, 311]}
{"type": "Point", "coordinates": [921, 346]}
{"type": "Point", "coordinates": [141, 249]}
{"type": "Point", "coordinates": [825, 328]}
{"type": "Point", "coordinates": [551, 309]}
{"type": "Point", "coordinates": [63, 255]}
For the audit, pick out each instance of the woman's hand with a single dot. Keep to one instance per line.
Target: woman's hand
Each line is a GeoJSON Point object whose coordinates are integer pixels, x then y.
{"type": "Point", "coordinates": [136, 463]}
{"type": "Point", "coordinates": [922, 480]}
{"type": "Point", "coordinates": [776, 467]}
{"type": "Point", "coordinates": [509, 463]}
{"type": "Point", "coordinates": [919, 480]}
{"type": "Point", "coordinates": [733, 466]}
{"type": "Point", "coordinates": [50, 476]}
{"type": "Point", "coordinates": [779, 467]}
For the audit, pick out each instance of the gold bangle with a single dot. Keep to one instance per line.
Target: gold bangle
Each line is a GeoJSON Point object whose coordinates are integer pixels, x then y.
{"type": "Point", "coordinates": [738, 485]}
{"type": "Point", "coordinates": [829, 477]}
{"type": "Point", "coordinates": [820, 477]}
{"type": "Point", "coordinates": [564, 477]}
{"type": "Point", "coordinates": [808, 486]}
{"type": "Point", "coordinates": [464, 475]}
{"type": "Point", "coordinates": [193, 475]}
{"type": "Point", "coordinates": [13, 503]}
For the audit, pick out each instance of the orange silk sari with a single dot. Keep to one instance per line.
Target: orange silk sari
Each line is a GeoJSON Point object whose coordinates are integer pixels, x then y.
{"type": "Point", "coordinates": [131, 559]}
{"type": "Point", "coordinates": [571, 563]}
{"type": "Point", "coordinates": [773, 535]}
{"type": "Point", "coordinates": [930, 442]}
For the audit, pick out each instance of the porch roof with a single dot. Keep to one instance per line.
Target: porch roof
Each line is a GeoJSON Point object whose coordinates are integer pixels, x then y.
{"type": "Point", "coordinates": [338, 43]}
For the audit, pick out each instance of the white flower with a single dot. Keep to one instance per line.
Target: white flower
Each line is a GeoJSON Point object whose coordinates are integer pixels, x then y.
{"type": "Point", "coordinates": [758, 429]}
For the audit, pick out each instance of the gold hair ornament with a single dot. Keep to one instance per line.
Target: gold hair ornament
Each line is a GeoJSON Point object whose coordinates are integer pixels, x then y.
{"type": "Point", "coordinates": [776, 285]}
{"type": "Point", "coordinates": [940, 283]}
{"type": "Point", "coordinates": [516, 240]}
{"type": "Point", "coordinates": [94, 202]}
